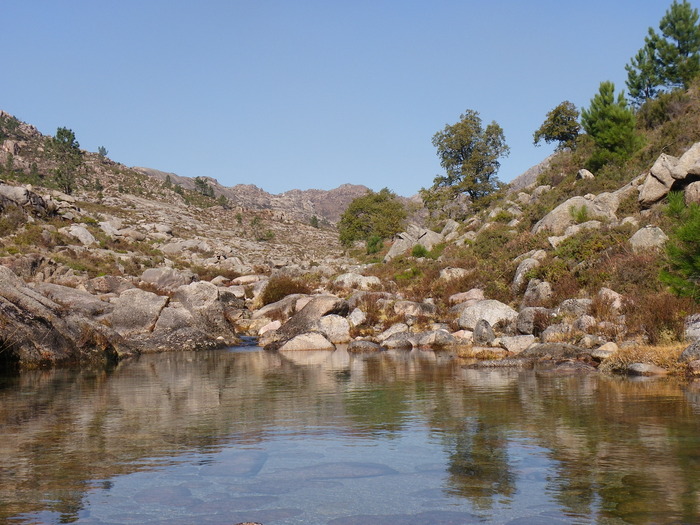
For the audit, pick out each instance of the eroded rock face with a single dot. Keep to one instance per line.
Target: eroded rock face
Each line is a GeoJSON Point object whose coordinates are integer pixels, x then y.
{"type": "Point", "coordinates": [38, 331]}
{"type": "Point", "coordinates": [167, 279]}
{"type": "Point", "coordinates": [136, 311]}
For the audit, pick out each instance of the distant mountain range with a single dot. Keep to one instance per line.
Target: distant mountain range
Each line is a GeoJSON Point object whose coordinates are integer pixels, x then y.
{"type": "Point", "coordinates": [293, 204]}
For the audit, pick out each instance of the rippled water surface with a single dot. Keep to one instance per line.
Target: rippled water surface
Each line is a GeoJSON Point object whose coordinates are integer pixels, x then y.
{"type": "Point", "coordinates": [316, 438]}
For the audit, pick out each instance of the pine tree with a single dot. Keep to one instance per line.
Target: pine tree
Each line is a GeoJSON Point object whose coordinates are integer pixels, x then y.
{"type": "Point", "coordinates": [643, 77]}
{"type": "Point", "coordinates": [678, 49]}
{"type": "Point", "coordinates": [611, 124]}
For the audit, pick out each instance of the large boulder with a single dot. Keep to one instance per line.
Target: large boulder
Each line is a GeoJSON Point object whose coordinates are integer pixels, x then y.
{"type": "Point", "coordinates": [204, 302]}
{"type": "Point", "coordinates": [78, 301]}
{"type": "Point", "coordinates": [357, 281]}
{"type": "Point", "coordinates": [167, 279]}
{"type": "Point", "coordinates": [136, 311]}
{"type": "Point", "coordinates": [648, 238]}
{"type": "Point", "coordinates": [498, 315]}
{"type": "Point", "coordinates": [335, 328]}
{"type": "Point", "coordinates": [602, 207]}
{"type": "Point", "coordinates": [306, 319]}
{"type": "Point", "coordinates": [308, 341]}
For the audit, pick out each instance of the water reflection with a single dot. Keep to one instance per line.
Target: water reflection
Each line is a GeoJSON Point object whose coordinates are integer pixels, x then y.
{"type": "Point", "coordinates": [497, 442]}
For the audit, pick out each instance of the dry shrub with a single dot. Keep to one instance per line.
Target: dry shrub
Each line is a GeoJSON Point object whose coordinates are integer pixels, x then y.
{"type": "Point", "coordinates": [280, 287]}
{"type": "Point", "coordinates": [665, 356]}
{"type": "Point", "coordinates": [659, 317]}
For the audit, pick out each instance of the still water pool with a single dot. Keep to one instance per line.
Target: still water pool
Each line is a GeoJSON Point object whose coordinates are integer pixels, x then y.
{"type": "Point", "coordinates": [327, 438]}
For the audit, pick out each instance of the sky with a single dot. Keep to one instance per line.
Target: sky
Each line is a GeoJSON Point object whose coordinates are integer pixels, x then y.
{"type": "Point", "coordinates": [302, 94]}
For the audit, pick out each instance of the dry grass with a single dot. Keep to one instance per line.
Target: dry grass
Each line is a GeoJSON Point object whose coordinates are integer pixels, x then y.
{"type": "Point", "coordinates": [664, 356]}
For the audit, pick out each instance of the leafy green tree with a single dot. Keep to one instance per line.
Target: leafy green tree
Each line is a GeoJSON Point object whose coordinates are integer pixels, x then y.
{"type": "Point", "coordinates": [378, 214]}
{"type": "Point", "coordinates": [102, 152]}
{"type": "Point", "coordinates": [561, 125]}
{"type": "Point", "coordinates": [470, 155]}
{"type": "Point", "coordinates": [314, 222]}
{"type": "Point", "coordinates": [643, 72]}
{"type": "Point", "coordinates": [65, 150]}
{"type": "Point", "coordinates": [678, 47]}
{"type": "Point", "coordinates": [611, 124]}
{"type": "Point", "coordinates": [682, 274]}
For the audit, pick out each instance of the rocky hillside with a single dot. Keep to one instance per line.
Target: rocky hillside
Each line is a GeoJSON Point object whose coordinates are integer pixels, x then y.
{"type": "Point", "coordinates": [563, 271]}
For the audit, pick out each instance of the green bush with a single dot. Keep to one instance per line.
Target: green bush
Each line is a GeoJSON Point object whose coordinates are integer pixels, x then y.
{"type": "Point", "coordinates": [682, 272]}
{"type": "Point", "coordinates": [419, 251]}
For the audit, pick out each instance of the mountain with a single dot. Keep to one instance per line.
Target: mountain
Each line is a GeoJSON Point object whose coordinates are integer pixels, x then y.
{"type": "Point", "coordinates": [299, 205]}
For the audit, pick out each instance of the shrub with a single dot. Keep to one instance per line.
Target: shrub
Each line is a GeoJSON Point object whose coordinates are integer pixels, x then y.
{"type": "Point", "coordinates": [280, 287]}
{"type": "Point", "coordinates": [683, 263]}
{"type": "Point", "coordinates": [419, 251]}
{"type": "Point", "coordinates": [659, 317]}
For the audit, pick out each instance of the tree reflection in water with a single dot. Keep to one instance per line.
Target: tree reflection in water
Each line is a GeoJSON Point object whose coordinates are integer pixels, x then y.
{"type": "Point", "coordinates": [612, 450]}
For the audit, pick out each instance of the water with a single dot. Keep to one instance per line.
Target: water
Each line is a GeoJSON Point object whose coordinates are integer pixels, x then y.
{"type": "Point", "coordinates": [316, 438]}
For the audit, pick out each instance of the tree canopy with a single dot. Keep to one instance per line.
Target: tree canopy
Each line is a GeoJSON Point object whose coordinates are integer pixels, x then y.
{"type": "Point", "coordinates": [374, 215]}
{"type": "Point", "coordinates": [470, 155]}
{"type": "Point", "coordinates": [561, 125]}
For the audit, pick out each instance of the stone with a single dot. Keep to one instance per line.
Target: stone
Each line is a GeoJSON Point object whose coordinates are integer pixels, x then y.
{"type": "Point", "coordinates": [537, 293]}
{"type": "Point", "coordinates": [525, 266]}
{"type": "Point", "coordinates": [500, 316]}
{"type": "Point", "coordinates": [357, 317]}
{"type": "Point", "coordinates": [305, 319]}
{"type": "Point", "coordinates": [694, 367]}
{"type": "Point", "coordinates": [645, 369]}
{"type": "Point", "coordinates": [517, 343]}
{"type": "Point", "coordinates": [532, 320]}
{"type": "Point", "coordinates": [76, 300]}
{"type": "Point", "coordinates": [360, 346]}
{"type": "Point", "coordinates": [335, 327]}
{"type": "Point", "coordinates": [166, 279]}
{"type": "Point", "coordinates": [136, 311]}
{"type": "Point", "coordinates": [691, 330]}
{"type": "Point", "coordinates": [648, 238]}
{"type": "Point", "coordinates": [81, 233]}
{"type": "Point", "coordinates": [688, 163]}
{"type": "Point", "coordinates": [283, 308]}
{"type": "Point", "coordinates": [413, 309]}
{"type": "Point", "coordinates": [400, 341]}
{"type": "Point", "coordinates": [602, 207]}
{"type": "Point", "coordinates": [611, 298]}
{"type": "Point", "coordinates": [574, 307]}
{"type": "Point", "coordinates": [391, 331]}
{"type": "Point", "coordinates": [692, 193]}
{"type": "Point", "coordinates": [452, 274]}
{"type": "Point", "coordinates": [357, 281]}
{"type": "Point", "coordinates": [556, 333]}
{"type": "Point", "coordinates": [554, 351]}
{"type": "Point", "coordinates": [308, 341]}
{"type": "Point", "coordinates": [605, 351]}
{"type": "Point", "coordinates": [585, 323]}
{"type": "Point", "coordinates": [472, 296]}
{"type": "Point", "coordinates": [483, 333]}
{"type": "Point", "coordinates": [584, 174]}
{"type": "Point", "coordinates": [203, 301]}
{"type": "Point", "coordinates": [436, 339]}
{"type": "Point", "coordinates": [271, 326]}
{"type": "Point", "coordinates": [691, 353]}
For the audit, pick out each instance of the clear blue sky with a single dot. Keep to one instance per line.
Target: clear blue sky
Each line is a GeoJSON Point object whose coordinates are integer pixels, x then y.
{"type": "Point", "coordinates": [303, 93]}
